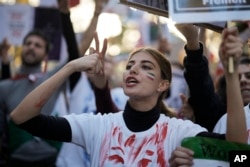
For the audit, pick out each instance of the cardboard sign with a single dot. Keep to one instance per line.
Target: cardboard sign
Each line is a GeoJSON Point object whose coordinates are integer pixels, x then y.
{"type": "Point", "coordinates": [161, 8]}
{"type": "Point", "coordinates": [158, 7]}
{"type": "Point", "coordinates": [206, 11]}
{"type": "Point", "coordinates": [17, 20]}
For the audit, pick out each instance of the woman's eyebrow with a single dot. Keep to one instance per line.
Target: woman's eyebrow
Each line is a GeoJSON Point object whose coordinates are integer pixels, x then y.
{"type": "Point", "coordinates": [147, 61]}
{"type": "Point", "coordinates": [131, 62]}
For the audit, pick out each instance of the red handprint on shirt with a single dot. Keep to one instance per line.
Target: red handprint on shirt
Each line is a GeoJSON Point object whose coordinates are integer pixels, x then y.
{"type": "Point", "coordinates": [135, 150]}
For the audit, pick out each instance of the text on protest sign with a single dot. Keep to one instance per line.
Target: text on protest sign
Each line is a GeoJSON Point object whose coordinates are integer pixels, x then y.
{"type": "Point", "coordinates": [206, 11]}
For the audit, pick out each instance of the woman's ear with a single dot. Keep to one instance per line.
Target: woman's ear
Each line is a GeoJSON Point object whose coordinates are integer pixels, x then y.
{"type": "Point", "coordinates": [163, 86]}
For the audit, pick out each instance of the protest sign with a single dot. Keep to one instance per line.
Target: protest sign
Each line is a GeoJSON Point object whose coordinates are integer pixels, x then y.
{"type": "Point", "coordinates": [206, 11]}
{"type": "Point", "coordinates": [216, 152]}
{"type": "Point", "coordinates": [17, 20]}
{"type": "Point", "coordinates": [161, 8]}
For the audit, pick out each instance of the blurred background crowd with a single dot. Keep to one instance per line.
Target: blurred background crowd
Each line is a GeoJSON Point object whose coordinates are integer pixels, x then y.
{"type": "Point", "coordinates": [125, 27]}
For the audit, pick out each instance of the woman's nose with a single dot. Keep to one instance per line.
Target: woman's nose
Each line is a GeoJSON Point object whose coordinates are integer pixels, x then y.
{"type": "Point", "coordinates": [133, 70]}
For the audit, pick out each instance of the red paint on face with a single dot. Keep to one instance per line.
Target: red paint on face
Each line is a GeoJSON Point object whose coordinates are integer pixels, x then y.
{"type": "Point", "coordinates": [149, 77]}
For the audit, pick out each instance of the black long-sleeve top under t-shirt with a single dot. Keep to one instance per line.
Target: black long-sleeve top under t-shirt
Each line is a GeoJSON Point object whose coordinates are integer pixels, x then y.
{"type": "Point", "coordinates": [72, 47]}
{"type": "Point", "coordinates": [206, 104]}
{"type": "Point", "coordinates": [58, 128]}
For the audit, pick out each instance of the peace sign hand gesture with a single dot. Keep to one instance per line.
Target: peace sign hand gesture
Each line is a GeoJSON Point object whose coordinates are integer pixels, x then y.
{"type": "Point", "coordinates": [99, 79]}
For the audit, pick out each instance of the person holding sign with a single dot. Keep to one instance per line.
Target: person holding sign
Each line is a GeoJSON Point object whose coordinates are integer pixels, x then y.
{"type": "Point", "coordinates": [141, 135]}
{"type": "Point", "coordinates": [231, 46]}
{"type": "Point", "coordinates": [207, 105]}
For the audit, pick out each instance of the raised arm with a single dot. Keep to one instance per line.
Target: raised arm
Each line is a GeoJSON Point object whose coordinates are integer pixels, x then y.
{"type": "Point", "coordinates": [69, 36]}
{"type": "Point", "coordinates": [232, 46]}
{"type": "Point", "coordinates": [90, 32]}
{"type": "Point", "coordinates": [32, 104]}
{"type": "Point", "coordinates": [236, 122]}
{"type": "Point", "coordinates": [99, 83]}
{"type": "Point", "coordinates": [205, 102]}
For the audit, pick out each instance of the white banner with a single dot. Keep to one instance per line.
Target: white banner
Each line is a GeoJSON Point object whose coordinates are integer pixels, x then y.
{"type": "Point", "coordinates": [16, 21]}
{"type": "Point", "coordinates": [207, 11]}
{"type": "Point", "coordinates": [209, 152]}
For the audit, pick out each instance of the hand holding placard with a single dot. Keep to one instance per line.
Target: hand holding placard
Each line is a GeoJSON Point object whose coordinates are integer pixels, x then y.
{"type": "Point", "coordinates": [243, 29]}
{"type": "Point", "coordinates": [230, 60]}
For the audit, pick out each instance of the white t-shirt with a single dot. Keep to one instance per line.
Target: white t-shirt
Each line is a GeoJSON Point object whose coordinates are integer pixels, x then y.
{"type": "Point", "coordinates": [80, 100]}
{"type": "Point", "coordinates": [110, 143]}
{"type": "Point", "coordinates": [220, 126]}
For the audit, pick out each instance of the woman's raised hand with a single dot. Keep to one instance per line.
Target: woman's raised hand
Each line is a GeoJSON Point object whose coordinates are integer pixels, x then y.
{"type": "Point", "coordinates": [191, 33]}
{"type": "Point", "coordinates": [90, 64]}
{"type": "Point", "coordinates": [99, 79]}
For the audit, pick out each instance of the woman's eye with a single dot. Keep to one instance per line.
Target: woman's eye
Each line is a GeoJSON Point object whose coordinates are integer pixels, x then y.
{"type": "Point", "coordinates": [145, 67]}
{"type": "Point", "coordinates": [128, 67]}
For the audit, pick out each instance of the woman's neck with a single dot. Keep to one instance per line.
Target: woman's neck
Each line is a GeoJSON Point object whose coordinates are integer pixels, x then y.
{"type": "Point", "coordinates": [140, 120]}
{"type": "Point", "coordinates": [142, 105]}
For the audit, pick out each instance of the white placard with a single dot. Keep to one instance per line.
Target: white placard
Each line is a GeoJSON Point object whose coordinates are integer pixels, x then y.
{"type": "Point", "coordinates": [207, 11]}
{"type": "Point", "coordinates": [161, 8]}
{"type": "Point", "coordinates": [16, 21]}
